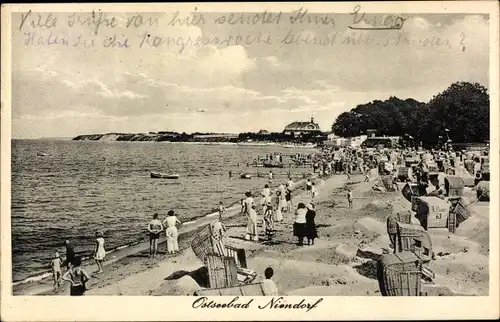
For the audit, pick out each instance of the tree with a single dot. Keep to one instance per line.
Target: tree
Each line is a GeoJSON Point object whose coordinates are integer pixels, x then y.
{"type": "Point", "coordinates": [463, 109]}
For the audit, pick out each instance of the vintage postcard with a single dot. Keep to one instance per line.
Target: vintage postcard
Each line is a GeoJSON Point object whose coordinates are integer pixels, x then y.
{"type": "Point", "coordinates": [249, 161]}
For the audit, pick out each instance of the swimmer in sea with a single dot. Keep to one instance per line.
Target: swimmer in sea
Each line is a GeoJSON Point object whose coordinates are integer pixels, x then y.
{"type": "Point", "coordinates": [154, 227]}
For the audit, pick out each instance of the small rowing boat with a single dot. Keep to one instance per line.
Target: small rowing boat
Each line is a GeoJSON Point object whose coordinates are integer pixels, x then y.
{"type": "Point", "coordinates": [41, 154]}
{"type": "Point", "coordinates": [159, 175]}
{"type": "Point", "coordinates": [272, 164]}
{"type": "Point", "coordinates": [245, 176]}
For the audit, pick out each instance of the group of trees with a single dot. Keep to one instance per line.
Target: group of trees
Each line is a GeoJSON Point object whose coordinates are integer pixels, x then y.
{"type": "Point", "coordinates": [313, 137]}
{"type": "Point", "coordinates": [463, 109]}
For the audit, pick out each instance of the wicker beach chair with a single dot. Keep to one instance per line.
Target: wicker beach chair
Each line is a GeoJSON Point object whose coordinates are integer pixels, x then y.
{"type": "Point", "coordinates": [206, 243]}
{"type": "Point", "coordinates": [432, 212]}
{"type": "Point", "coordinates": [400, 274]}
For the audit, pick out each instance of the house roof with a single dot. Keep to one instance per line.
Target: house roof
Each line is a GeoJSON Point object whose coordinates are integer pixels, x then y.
{"type": "Point", "coordinates": [301, 126]}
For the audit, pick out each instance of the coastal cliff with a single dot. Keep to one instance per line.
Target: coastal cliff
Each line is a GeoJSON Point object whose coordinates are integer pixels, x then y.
{"type": "Point", "coordinates": [204, 137]}
{"type": "Point", "coordinates": [154, 137]}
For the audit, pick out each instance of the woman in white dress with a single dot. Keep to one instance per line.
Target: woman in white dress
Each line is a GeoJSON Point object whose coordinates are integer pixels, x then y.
{"type": "Point", "coordinates": [266, 198]}
{"type": "Point", "coordinates": [278, 215]}
{"type": "Point", "coordinates": [283, 202]}
{"type": "Point", "coordinates": [99, 252]}
{"type": "Point", "coordinates": [171, 231]}
{"type": "Point", "coordinates": [251, 215]}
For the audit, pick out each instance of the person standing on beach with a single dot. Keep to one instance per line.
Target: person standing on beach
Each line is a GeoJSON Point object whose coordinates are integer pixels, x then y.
{"type": "Point", "coordinates": [288, 198]}
{"type": "Point", "coordinates": [313, 190]}
{"type": "Point", "coordinates": [218, 232]}
{"type": "Point", "coordinates": [270, 176]}
{"type": "Point", "coordinates": [171, 231]}
{"type": "Point", "coordinates": [282, 197]}
{"type": "Point", "coordinates": [309, 187]}
{"type": "Point", "coordinates": [266, 197]}
{"type": "Point", "coordinates": [154, 227]}
{"type": "Point", "coordinates": [299, 226]}
{"type": "Point", "coordinates": [77, 276]}
{"type": "Point", "coordinates": [311, 232]}
{"type": "Point", "coordinates": [221, 210]}
{"type": "Point", "coordinates": [252, 224]}
{"type": "Point", "coordinates": [348, 170]}
{"type": "Point", "coordinates": [269, 220]}
{"type": "Point", "coordinates": [251, 215]}
{"type": "Point", "coordinates": [290, 182]}
{"type": "Point", "coordinates": [349, 197]}
{"type": "Point", "coordinates": [70, 253]}
{"type": "Point", "coordinates": [392, 230]}
{"type": "Point", "coordinates": [278, 215]}
{"type": "Point", "coordinates": [99, 252]}
{"type": "Point", "coordinates": [56, 270]}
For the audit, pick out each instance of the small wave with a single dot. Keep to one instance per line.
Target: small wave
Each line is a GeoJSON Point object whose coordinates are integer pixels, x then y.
{"type": "Point", "coordinates": [33, 279]}
{"type": "Point", "coordinates": [190, 222]}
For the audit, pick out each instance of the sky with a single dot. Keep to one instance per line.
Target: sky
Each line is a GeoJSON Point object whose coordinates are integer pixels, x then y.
{"type": "Point", "coordinates": [64, 91]}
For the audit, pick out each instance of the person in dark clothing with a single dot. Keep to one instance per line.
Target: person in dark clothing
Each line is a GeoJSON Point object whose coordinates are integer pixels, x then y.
{"type": "Point", "coordinates": [392, 230]}
{"type": "Point", "coordinates": [70, 253]}
{"type": "Point", "coordinates": [77, 277]}
{"type": "Point", "coordinates": [311, 232]}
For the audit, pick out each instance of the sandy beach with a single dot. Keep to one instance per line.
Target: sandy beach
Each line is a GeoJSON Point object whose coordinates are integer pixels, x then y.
{"type": "Point", "coordinates": [339, 263]}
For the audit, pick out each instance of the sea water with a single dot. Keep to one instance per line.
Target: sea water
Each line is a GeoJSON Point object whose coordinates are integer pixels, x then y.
{"type": "Point", "coordinates": [80, 187]}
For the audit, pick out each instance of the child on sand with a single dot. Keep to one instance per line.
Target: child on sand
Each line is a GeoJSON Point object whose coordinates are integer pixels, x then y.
{"type": "Point", "coordinates": [268, 285]}
{"type": "Point", "coordinates": [99, 252]}
{"type": "Point", "coordinates": [56, 269]}
{"type": "Point", "coordinates": [77, 277]}
{"type": "Point", "coordinates": [349, 198]}
{"type": "Point", "coordinates": [308, 187]}
{"type": "Point", "coordinates": [313, 190]}
{"type": "Point", "coordinates": [270, 176]}
{"type": "Point", "coordinates": [221, 210]}
{"type": "Point", "coordinates": [269, 220]}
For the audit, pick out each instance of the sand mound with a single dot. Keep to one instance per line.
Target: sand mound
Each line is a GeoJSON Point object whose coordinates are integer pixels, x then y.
{"type": "Point", "coordinates": [185, 286]}
{"type": "Point", "coordinates": [463, 273]}
{"type": "Point", "coordinates": [372, 225]}
{"type": "Point", "coordinates": [347, 251]}
{"type": "Point", "coordinates": [453, 244]}
{"type": "Point", "coordinates": [337, 290]}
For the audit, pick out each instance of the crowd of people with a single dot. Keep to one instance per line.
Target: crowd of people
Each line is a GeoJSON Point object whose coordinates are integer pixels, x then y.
{"type": "Point", "coordinates": [276, 204]}
{"type": "Point", "coordinates": [74, 273]}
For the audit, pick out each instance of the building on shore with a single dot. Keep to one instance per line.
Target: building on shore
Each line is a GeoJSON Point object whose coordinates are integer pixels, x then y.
{"type": "Point", "coordinates": [381, 141]}
{"type": "Point", "coordinates": [337, 141]}
{"type": "Point", "coordinates": [301, 128]}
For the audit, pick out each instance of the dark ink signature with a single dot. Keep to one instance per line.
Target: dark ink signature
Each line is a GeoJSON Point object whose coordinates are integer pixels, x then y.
{"type": "Point", "coordinates": [390, 22]}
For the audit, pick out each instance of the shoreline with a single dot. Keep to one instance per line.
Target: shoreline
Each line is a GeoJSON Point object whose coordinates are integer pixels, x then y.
{"type": "Point", "coordinates": [340, 263]}
{"type": "Point", "coordinates": [40, 283]}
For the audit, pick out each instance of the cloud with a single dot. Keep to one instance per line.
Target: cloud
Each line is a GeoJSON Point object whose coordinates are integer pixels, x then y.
{"type": "Point", "coordinates": [245, 87]}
